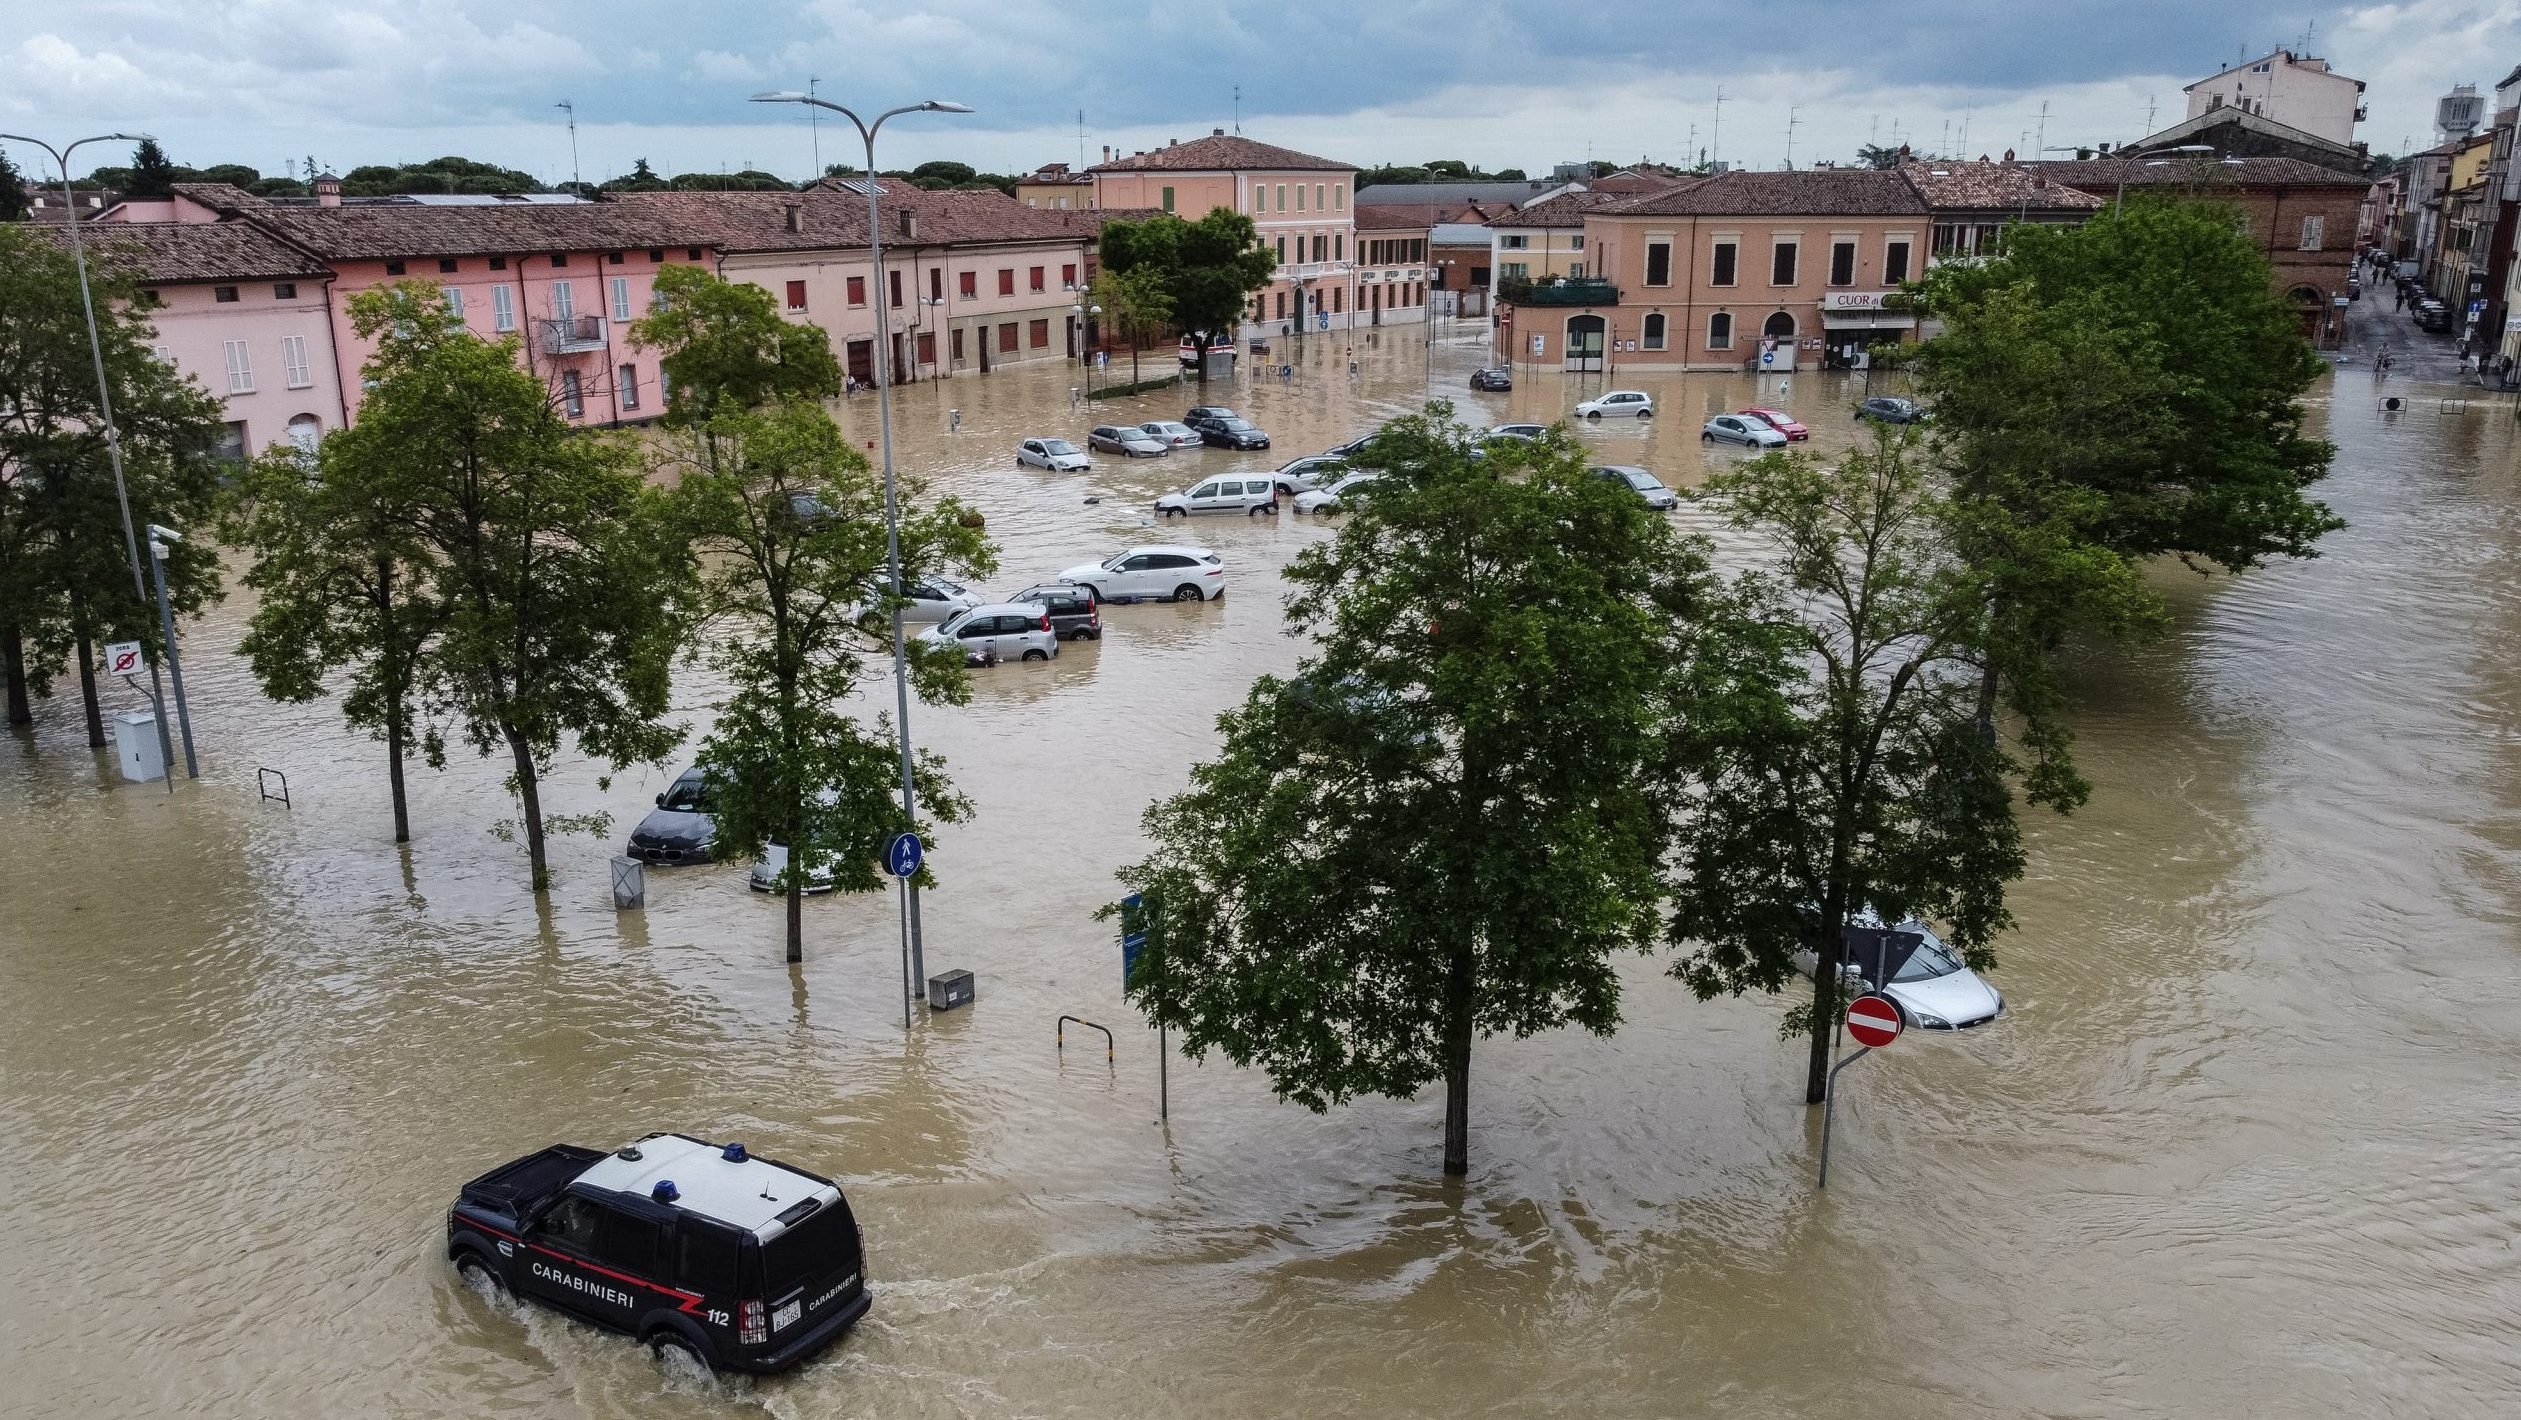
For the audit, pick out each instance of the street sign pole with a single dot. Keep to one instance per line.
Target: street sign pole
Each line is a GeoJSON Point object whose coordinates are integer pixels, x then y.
{"type": "Point", "coordinates": [1133, 942]}
{"type": "Point", "coordinates": [1829, 1104]}
{"type": "Point", "coordinates": [902, 857]}
{"type": "Point", "coordinates": [1874, 1021]}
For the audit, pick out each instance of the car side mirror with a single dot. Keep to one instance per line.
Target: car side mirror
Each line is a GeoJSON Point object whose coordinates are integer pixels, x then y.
{"type": "Point", "coordinates": [660, 801]}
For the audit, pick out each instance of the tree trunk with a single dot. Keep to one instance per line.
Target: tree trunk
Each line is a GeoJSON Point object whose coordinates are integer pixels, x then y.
{"type": "Point", "coordinates": [393, 698]}
{"type": "Point", "coordinates": [796, 906]}
{"type": "Point", "coordinates": [530, 801]}
{"type": "Point", "coordinates": [1457, 1063]}
{"type": "Point", "coordinates": [1987, 705]}
{"type": "Point", "coordinates": [87, 691]}
{"type": "Point", "coordinates": [13, 669]}
{"type": "Point", "coordinates": [1825, 1011]}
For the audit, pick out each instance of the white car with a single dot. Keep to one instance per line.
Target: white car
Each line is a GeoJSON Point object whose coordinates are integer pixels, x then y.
{"type": "Point", "coordinates": [1057, 455]}
{"type": "Point", "coordinates": [1157, 573]}
{"type": "Point", "coordinates": [1310, 472]}
{"type": "Point", "coordinates": [1742, 429]}
{"type": "Point", "coordinates": [774, 861]}
{"type": "Point", "coordinates": [1127, 440]}
{"type": "Point", "coordinates": [1528, 433]}
{"type": "Point", "coordinates": [1930, 984]}
{"type": "Point", "coordinates": [1646, 485]}
{"type": "Point", "coordinates": [1326, 500]}
{"type": "Point", "coordinates": [1171, 433]}
{"type": "Point", "coordinates": [1001, 631]}
{"type": "Point", "coordinates": [1250, 495]}
{"type": "Point", "coordinates": [1636, 403]}
{"type": "Point", "coordinates": [931, 600]}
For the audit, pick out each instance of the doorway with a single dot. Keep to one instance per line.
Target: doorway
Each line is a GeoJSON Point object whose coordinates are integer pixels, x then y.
{"type": "Point", "coordinates": [862, 361]}
{"type": "Point", "coordinates": [1584, 343]}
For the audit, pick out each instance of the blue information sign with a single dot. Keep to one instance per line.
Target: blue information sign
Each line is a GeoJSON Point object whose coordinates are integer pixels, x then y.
{"type": "Point", "coordinates": [1133, 935]}
{"type": "Point", "coordinates": [902, 855]}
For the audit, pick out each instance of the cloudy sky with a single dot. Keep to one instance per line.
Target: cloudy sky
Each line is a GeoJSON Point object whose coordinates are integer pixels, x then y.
{"type": "Point", "coordinates": [360, 81]}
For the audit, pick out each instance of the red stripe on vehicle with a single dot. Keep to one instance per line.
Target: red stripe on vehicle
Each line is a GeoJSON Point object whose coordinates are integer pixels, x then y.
{"type": "Point", "coordinates": [688, 1299]}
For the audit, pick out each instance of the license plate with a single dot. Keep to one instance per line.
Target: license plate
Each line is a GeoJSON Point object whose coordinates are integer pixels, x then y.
{"type": "Point", "coordinates": [787, 1316]}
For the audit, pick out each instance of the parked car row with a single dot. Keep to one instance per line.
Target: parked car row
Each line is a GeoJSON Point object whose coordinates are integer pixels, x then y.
{"type": "Point", "coordinates": [1212, 425]}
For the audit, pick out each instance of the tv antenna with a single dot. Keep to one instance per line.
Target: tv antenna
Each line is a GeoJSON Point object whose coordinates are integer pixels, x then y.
{"type": "Point", "coordinates": [1715, 135]}
{"type": "Point", "coordinates": [576, 186]}
{"type": "Point", "coordinates": [1238, 109]}
{"type": "Point", "coordinates": [1791, 122]}
{"type": "Point", "coordinates": [1080, 140]}
{"type": "Point", "coordinates": [2042, 146]}
{"type": "Point", "coordinates": [814, 120]}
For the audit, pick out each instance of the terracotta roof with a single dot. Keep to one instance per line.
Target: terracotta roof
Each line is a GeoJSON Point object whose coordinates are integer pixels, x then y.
{"type": "Point", "coordinates": [1990, 186]}
{"type": "Point", "coordinates": [377, 233]}
{"type": "Point", "coordinates": [1815, 192]}
{"type": "Point", "coordinates": [1219, 152]}
{"type": "Point", "coordinates": [2101, 176]}
{"type": "Point", "coordinates": [834, 216]}
{"type": "Point", "coordinates": [1565, 210]}
{"type": "Point", "coordinates": [220, 196]}
{"type": "Point", "coordinates": [1394, 219]}
{"type": "Point", "coordinates": [1054, 173]}
{"type": "Point", "coordinates": [179, 253]}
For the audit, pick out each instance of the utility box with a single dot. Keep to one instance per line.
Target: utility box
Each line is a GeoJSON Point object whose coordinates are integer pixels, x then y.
{"type": "Point", "coordinates": [136, 746]}
{"type": "Point", "coordinates": [630, 884]}
{"type": "Point", "coordinates": [952, 989]}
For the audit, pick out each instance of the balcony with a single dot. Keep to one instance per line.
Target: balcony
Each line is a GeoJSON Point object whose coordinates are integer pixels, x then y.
{"type": "Point", "coordinates": [1312, 270]}
{"type": "Point", "coordinates": [570, 335]}
{"type": "Point", "coordinates": [1558, 291]}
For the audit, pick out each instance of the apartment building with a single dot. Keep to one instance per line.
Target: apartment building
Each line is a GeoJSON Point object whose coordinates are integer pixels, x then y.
{"type": "Point", "coordinates": [1053, 186]}
{"type": "Point", "coordinates": [1298, 202]}
{"type": "Point", "coordinates": [2297, 90]}
{"type": "Point", "coordinates": [1392, 266]}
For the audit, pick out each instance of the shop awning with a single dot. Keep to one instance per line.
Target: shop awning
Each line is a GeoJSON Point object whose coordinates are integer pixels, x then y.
{"type": "Point", "coordinates": [1866, 320]}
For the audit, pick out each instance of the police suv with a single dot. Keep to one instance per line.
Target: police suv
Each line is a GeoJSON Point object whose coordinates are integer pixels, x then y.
{"type": "Point", "coordinates": [738, 1262]}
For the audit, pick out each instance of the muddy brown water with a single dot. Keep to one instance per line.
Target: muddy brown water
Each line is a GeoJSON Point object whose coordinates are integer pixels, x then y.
{"type": "Point", "coordinates": [2243, 1144]}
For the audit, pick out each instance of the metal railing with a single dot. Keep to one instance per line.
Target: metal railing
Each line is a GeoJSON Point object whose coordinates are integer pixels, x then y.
{"type": "Point", "coordinates": [1558, 291]}
{"type": "Point", "coordinates": [570, 335]}
{"type": "Point", "coordinates": [1109, 1052]}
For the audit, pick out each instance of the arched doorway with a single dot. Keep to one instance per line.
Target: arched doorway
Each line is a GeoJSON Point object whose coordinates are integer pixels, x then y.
{"type": "Point", "coordinates": [1780, 328]}
{"type": "Point", "coordinates": [2310, 306]}
{"type": "Point", "coordinates": [1777, 343]}
{"type": "Point", "coordinates": [306, 431]}
{"type": "Point", "coordinates": [1584, 342]}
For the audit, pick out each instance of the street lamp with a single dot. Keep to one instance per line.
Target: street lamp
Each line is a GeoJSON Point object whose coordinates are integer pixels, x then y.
{"type": "Point", "coordinates": [892, 508]}
{"type": "Point", "coordinates": [1085, 356]}
{"type": "Point", "coordinates": [105, 407]}
{"type": "Point", "coordinates": [159, 537]}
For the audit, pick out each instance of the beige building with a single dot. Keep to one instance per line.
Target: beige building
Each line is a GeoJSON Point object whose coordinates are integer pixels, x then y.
{"type": "Point", "coordinates": [2293, 89]}
{"type": "Point", "coordinates": [1052, 186]}
{"type": "Point", "coordinates": [1298, 202]}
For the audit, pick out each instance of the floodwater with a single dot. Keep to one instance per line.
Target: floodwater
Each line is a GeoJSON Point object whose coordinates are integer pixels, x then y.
{"type": "Point", "coordinates": [2242, 1144]}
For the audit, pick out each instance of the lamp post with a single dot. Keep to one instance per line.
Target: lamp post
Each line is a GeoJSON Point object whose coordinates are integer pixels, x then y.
{"type": "Point", "coordinates": [892, 507]}
{"type": "Point", "coordinates": [159, 537]}
{"type": "Point", "coordinates": [1085, 353]}
{"type": "Point", "coordinates": [105, 406]}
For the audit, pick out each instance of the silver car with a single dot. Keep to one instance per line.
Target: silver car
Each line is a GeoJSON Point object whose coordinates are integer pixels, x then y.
{"type": "Point", "coordinates": [1000, 631]}
{"type": "Point", "coordinates": [1057, 455]}
{"type": "Point", "coordinates": [1128, 441]}
{"type": "Point", "coordinates": [1933, 987]}
{"type": "Point", "coordinates": [1646, 485]}
{"type": "Point", "coordinates": [1741, 429]}
{"type": "Point", "coordinates": [1172, 433]}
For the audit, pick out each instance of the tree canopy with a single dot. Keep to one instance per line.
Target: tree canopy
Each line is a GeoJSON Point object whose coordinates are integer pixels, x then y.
{"type": "Point", "coordinates": [725, 347]}
{"type": "Point", "coordinates": [1208, 268]}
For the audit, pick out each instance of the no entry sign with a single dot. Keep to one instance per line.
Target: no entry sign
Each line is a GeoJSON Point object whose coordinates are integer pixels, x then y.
{"type": "Point", "coordinates": [1873, 1021]}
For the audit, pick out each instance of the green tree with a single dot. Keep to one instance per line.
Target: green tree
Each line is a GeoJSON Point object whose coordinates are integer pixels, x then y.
{"type": "Point", "coordinates": [345, 584]}
{"type": "Point", "coordinates": [1136, 304]}
{"type": "Point", "coordinates": [1209, 268]}
{"type": "Point", "coordinates": [14, 204]}
{"type": "Point", "coordinates": [1509, 175]}
{"type": "Point", "coordinates": [943, 172]}
{"type": "Point", "coordinates": [65, 569]}
{"type": "Point", "coordinates": [726, 347]}
{"type": "Point", "coordinates": [789, 522]}
{"type": "Point", "coordinates": [151, 174]}
{"type": "Point", "coordinates": [1878, 156]}
{"type": "Point", "coordinates": [1441, 828]}
{"type": "Point", "coordinates": [640, 178]}
{"type": "Point", "coordinates": [558, 570]}
{"type": "Point", "coordinates": [1831, 761]}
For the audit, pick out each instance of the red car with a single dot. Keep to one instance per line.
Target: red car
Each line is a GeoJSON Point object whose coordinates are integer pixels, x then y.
{"type": "Point", "coordinates": [1780, 421]}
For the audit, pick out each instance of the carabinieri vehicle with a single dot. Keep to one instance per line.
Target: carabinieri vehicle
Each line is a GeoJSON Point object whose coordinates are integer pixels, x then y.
{"type": "Point", "coordinates": [737, 1262]}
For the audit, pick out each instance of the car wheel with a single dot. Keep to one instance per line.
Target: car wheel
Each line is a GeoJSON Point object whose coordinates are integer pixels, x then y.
{"type": "Point", "coordinates": [677, 1352]}
{"type": "Point", "coordinates": [1706, 438]}
{"type": "Point", "coordinates": [1186, 593]}
{"type": "Point", "coordinates": [1645, 414]}
{"type": "Point", "coordinates": [1593, 414]}
{"type": "Point", "coordinates": [1037, 654]}
{"type": "Point", "coordinates": [476, 1273]}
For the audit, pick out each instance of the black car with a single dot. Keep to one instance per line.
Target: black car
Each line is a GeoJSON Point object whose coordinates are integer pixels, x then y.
{"type": "Point", "coordinates": [1891, 409]}
{"type": "Point", "coordinates": [680, 829]}
{"type": "Point", "coordinates": [736, 1262]}
{"type": "Point", "coordinates": [1076, 613]}
{"type": "Point", "coordinates": [1202, 415]}
{"type": "Point", "coordinates": [1231, 433]}
{"type": "Point", "coordinates": [1492, 377]}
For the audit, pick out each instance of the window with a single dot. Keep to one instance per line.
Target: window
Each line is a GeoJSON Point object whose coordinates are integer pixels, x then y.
{"type": "Point", "coordinates": [1779, 327]}
{"type": "Point", "coordinates": [656, 254]}
{"type": "Point", "coordinates": [563, 301]}
{"type": "Point", "coordinates": [1339, 297]}
{"type": "Point", "coordinates": [1514, 241]}
{"type": "Point", "coordinates": [446, 264]}
{"type": "Point", "coordinates": [1299, 197]}
{"type": "Point", "coordinates": [1318, 204]}
{"type": "Point", "coordinates": [635, 1245]}
{"type": "Point", "coordinates": [1339, 197]}
{"type": "Point", "coordinates": [627, 381]}
{"type": "Point", "coordinates": [1282, 197]}
{"type": "Point", "coordinates": [240, 368]}
{"type": "Point", "coordinates": [893, 284]}
{"type": "Point", "coordinates": [857, 290]}
{"type": "Point", "coordinates": [1575, 243]}
{"type": "Point", "coordinates": [1653, 339]}
{"type": "Point", "coordinates": [1658, 263]}
{"type": "Point", "coordinates": [615, 258]}
{"type": "Point", "coordinates": [284, 291]}
{"type": "Point", "coordinates": [454, 301]}
{"type": "Point", "coordinates": [1006, 280]}
{"type": "Point", "coordinates": [502, 308]}
{"type": "Point", "coordinates": [691, 253]}
{"type": "Point", "coordinates": [571, 397]}
{"type": "Point", "coordinates": [165, 356]}
{"type": "Point", "coordinates": [498, 263]}
{"type": "Point", "coordinates": [1842, 263]}
{"type": "Point", "coordinates": [2312, 231]}
{"type": "Point", "coordinates": [1168, 199]}
{"type": "Point", "coordinates": [1575, 271]}
{"type": "Point", "coordinates": [665, 385]}
{"type": "Point", "coordinates": [1514, 270]}
{"type": "Point", "coordinates": [621, 296]}
{"type": "Point", "coordinates": [936, 283]}
{"type": "Point", "coordinates": [1038, 335]}
{"type": "Point", "coordinates": [1781, 263]}
{"type": "Point", "coordinates": [1724, 274]}
{"type": "Point", "coordinates": [305, 432]}
{"type": "Point", "coordinates": [1006, 338]}
{"type": "Point", "coordinates": [1479, 276]}
{"type": "Point", "coordinates": [570, 1224]}
{"type": "Point", "coordinates": [1068, 277]}
{"type": "Point", "coordinates": [560, 258]}
{"type": "Point", "coordinates": [393, 268]}
{"type": "Point", "coordinates": [1894, 263]}
{"type": "Point", "coordinates": [223, 294]}
{"type": "Point", "coordinates": [1720, 331]}
{"type": "Point", "coordinates": [796, 295]}
{"type": "Point", "coordinates": [231, 446]}
{"type": "Point", "coordinates": [1282, 251]}
{"type": "Point", "coordinates": [1282, 307]}
{"type": "Point", "coordinates": [293, 367]}
{"type": "Point", "coordinates": [1033, 278]}
{"type": "Point", "coordinates": [954, 344]}
{"type": "Point", "coordinates": [1339, 246]}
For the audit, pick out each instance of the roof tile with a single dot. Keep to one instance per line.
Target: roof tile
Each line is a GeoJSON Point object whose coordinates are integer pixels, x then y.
{"type": "Point", "coordinates": [1218, 153]}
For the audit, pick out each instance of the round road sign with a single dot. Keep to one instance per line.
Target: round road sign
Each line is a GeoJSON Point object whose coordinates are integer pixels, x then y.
{"type": "Point", "coordinates": [902, 855]}
{"type": "Point", "coordinates": [1873, 1020]}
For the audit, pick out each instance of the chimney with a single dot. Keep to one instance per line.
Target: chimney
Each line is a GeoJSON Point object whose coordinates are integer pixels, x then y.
{"type": "Point", "coordinates": [1107, 152]}
{"type": "Point", "coordinates": [1172, 142]}
{"type": "Point", "coordinates": [910, 225]}
{"type": "Point", "coordinates": [1216, 133]}
{"type": "Point", "coordinates": [327, 190]}
{"type": "Point", "coordinates": [795, 213]}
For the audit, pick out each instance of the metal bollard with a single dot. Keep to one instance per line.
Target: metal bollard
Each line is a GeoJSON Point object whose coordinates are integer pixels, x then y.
{"type": "Point", "coordinates": [953, 421]}
{"type": "Point", "coordinates": [630, 884]}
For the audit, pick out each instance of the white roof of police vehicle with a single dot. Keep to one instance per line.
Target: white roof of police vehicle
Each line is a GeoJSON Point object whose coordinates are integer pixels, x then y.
{"type": "Point", "coordinates": [750, 1195]}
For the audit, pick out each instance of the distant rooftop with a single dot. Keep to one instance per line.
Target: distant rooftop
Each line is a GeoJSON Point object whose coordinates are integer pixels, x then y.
{"type": "Point", "coordinates": [1219, 152]}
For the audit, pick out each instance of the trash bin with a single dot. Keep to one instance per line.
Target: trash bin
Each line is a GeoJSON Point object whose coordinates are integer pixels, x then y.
{"type": "Point", "coordinates": [630, 884]}
{"type": "Point", "coordinates": [136, 746]}
{"type": "Point", "coordinates": [949, 990]}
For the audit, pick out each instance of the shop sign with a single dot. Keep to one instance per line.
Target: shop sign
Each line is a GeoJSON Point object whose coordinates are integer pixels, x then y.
{"type": "Point", "coordinates": [1855, 300]}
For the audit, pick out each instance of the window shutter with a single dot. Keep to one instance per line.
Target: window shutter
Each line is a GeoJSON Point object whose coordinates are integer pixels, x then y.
{"type": "Point", "coordinates": [240, 368]}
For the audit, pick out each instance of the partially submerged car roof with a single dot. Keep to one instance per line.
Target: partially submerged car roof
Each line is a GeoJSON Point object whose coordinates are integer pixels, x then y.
{"type": "Point", "coordinates": [719, 1182]}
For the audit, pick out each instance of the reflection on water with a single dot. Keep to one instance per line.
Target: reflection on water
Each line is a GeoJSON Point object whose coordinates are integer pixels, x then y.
{"type": "Point", "coordinates": [2240, 1146]}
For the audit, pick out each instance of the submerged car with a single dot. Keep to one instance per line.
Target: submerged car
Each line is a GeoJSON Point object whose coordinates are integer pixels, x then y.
{"type": "Point", "coordinates": [1890, 409]}
{"type": "Point", "coordinates": [774, 861]}
{"type": "Point", "coordinates": [1645, 485]}
{"type": "Point", "coordinates": [1778, 420]}
{"type": "Point", "coordinates": [1127, 440]}
{"type": "Point", "coordinates": [1933, 988]}
{"type": "Point", "coordinates": [679, 830]}
{"type": "Point", "coordinates": [1057, 455]}
{"type": "Point", "coordinates": [1635, 403]}
{"type": "Point", "coordinates": [1493, 377]}
{"type": "Point", "coordinates": [1158, 573]}
{"type": "Point", "coordinates": [1171, 433]}
{"type": "Point", "coordinates": [1003, 631]}
{"type": "Point", "coordinates": [1741, 429]}
{"type": "Point", "coordinates": [699, 1250]}
{"type": "Point", "coordinates": [1075, 612]}
{"type": "Point", "coordinates": [1327, 500]}
{"type": "Point", "coordinates": [1232, 433]}
{"type": "Point", "coordinates": [1251, 496]}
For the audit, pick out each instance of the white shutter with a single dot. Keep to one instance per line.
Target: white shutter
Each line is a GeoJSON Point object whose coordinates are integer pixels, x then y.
{"type": "Point", "coordinates": [293, 361]}
{"type": "Point", "coordinates": [502, 308]}
{"type": "Point", "coordinates": [621, 298]}
{"type": "Point", "coordinates": [240, 368]}
{"type": "Point", "coordinates": [561, 303]}
{"type": "Point", "coordinates": [455, 301]}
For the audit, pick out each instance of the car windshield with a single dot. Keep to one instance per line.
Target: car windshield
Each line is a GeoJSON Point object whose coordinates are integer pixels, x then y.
{"type": "Point", "coordinates": [689, 796]}
{"type": "Point", "coordinates": [1112, 563]}
{"type": "Point", "coordinates": [1640, 480]}
{"type": "Point", "coordinates": [1930, 960]}
{"type": "Point", "coordinates": [1233, 426]}
{"type": "Point", "coordinates": [1058, 446]}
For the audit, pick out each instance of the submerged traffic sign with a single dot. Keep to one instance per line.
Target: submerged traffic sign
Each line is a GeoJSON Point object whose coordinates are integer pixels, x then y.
{"type": "Point", "coordinates": [1873, 1020]}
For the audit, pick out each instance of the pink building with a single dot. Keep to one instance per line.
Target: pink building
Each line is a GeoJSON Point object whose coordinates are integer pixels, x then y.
{"type": "Point", "coordinates": [241, 311]}
{"type": "Point", "coordinates": [1298, 202]}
